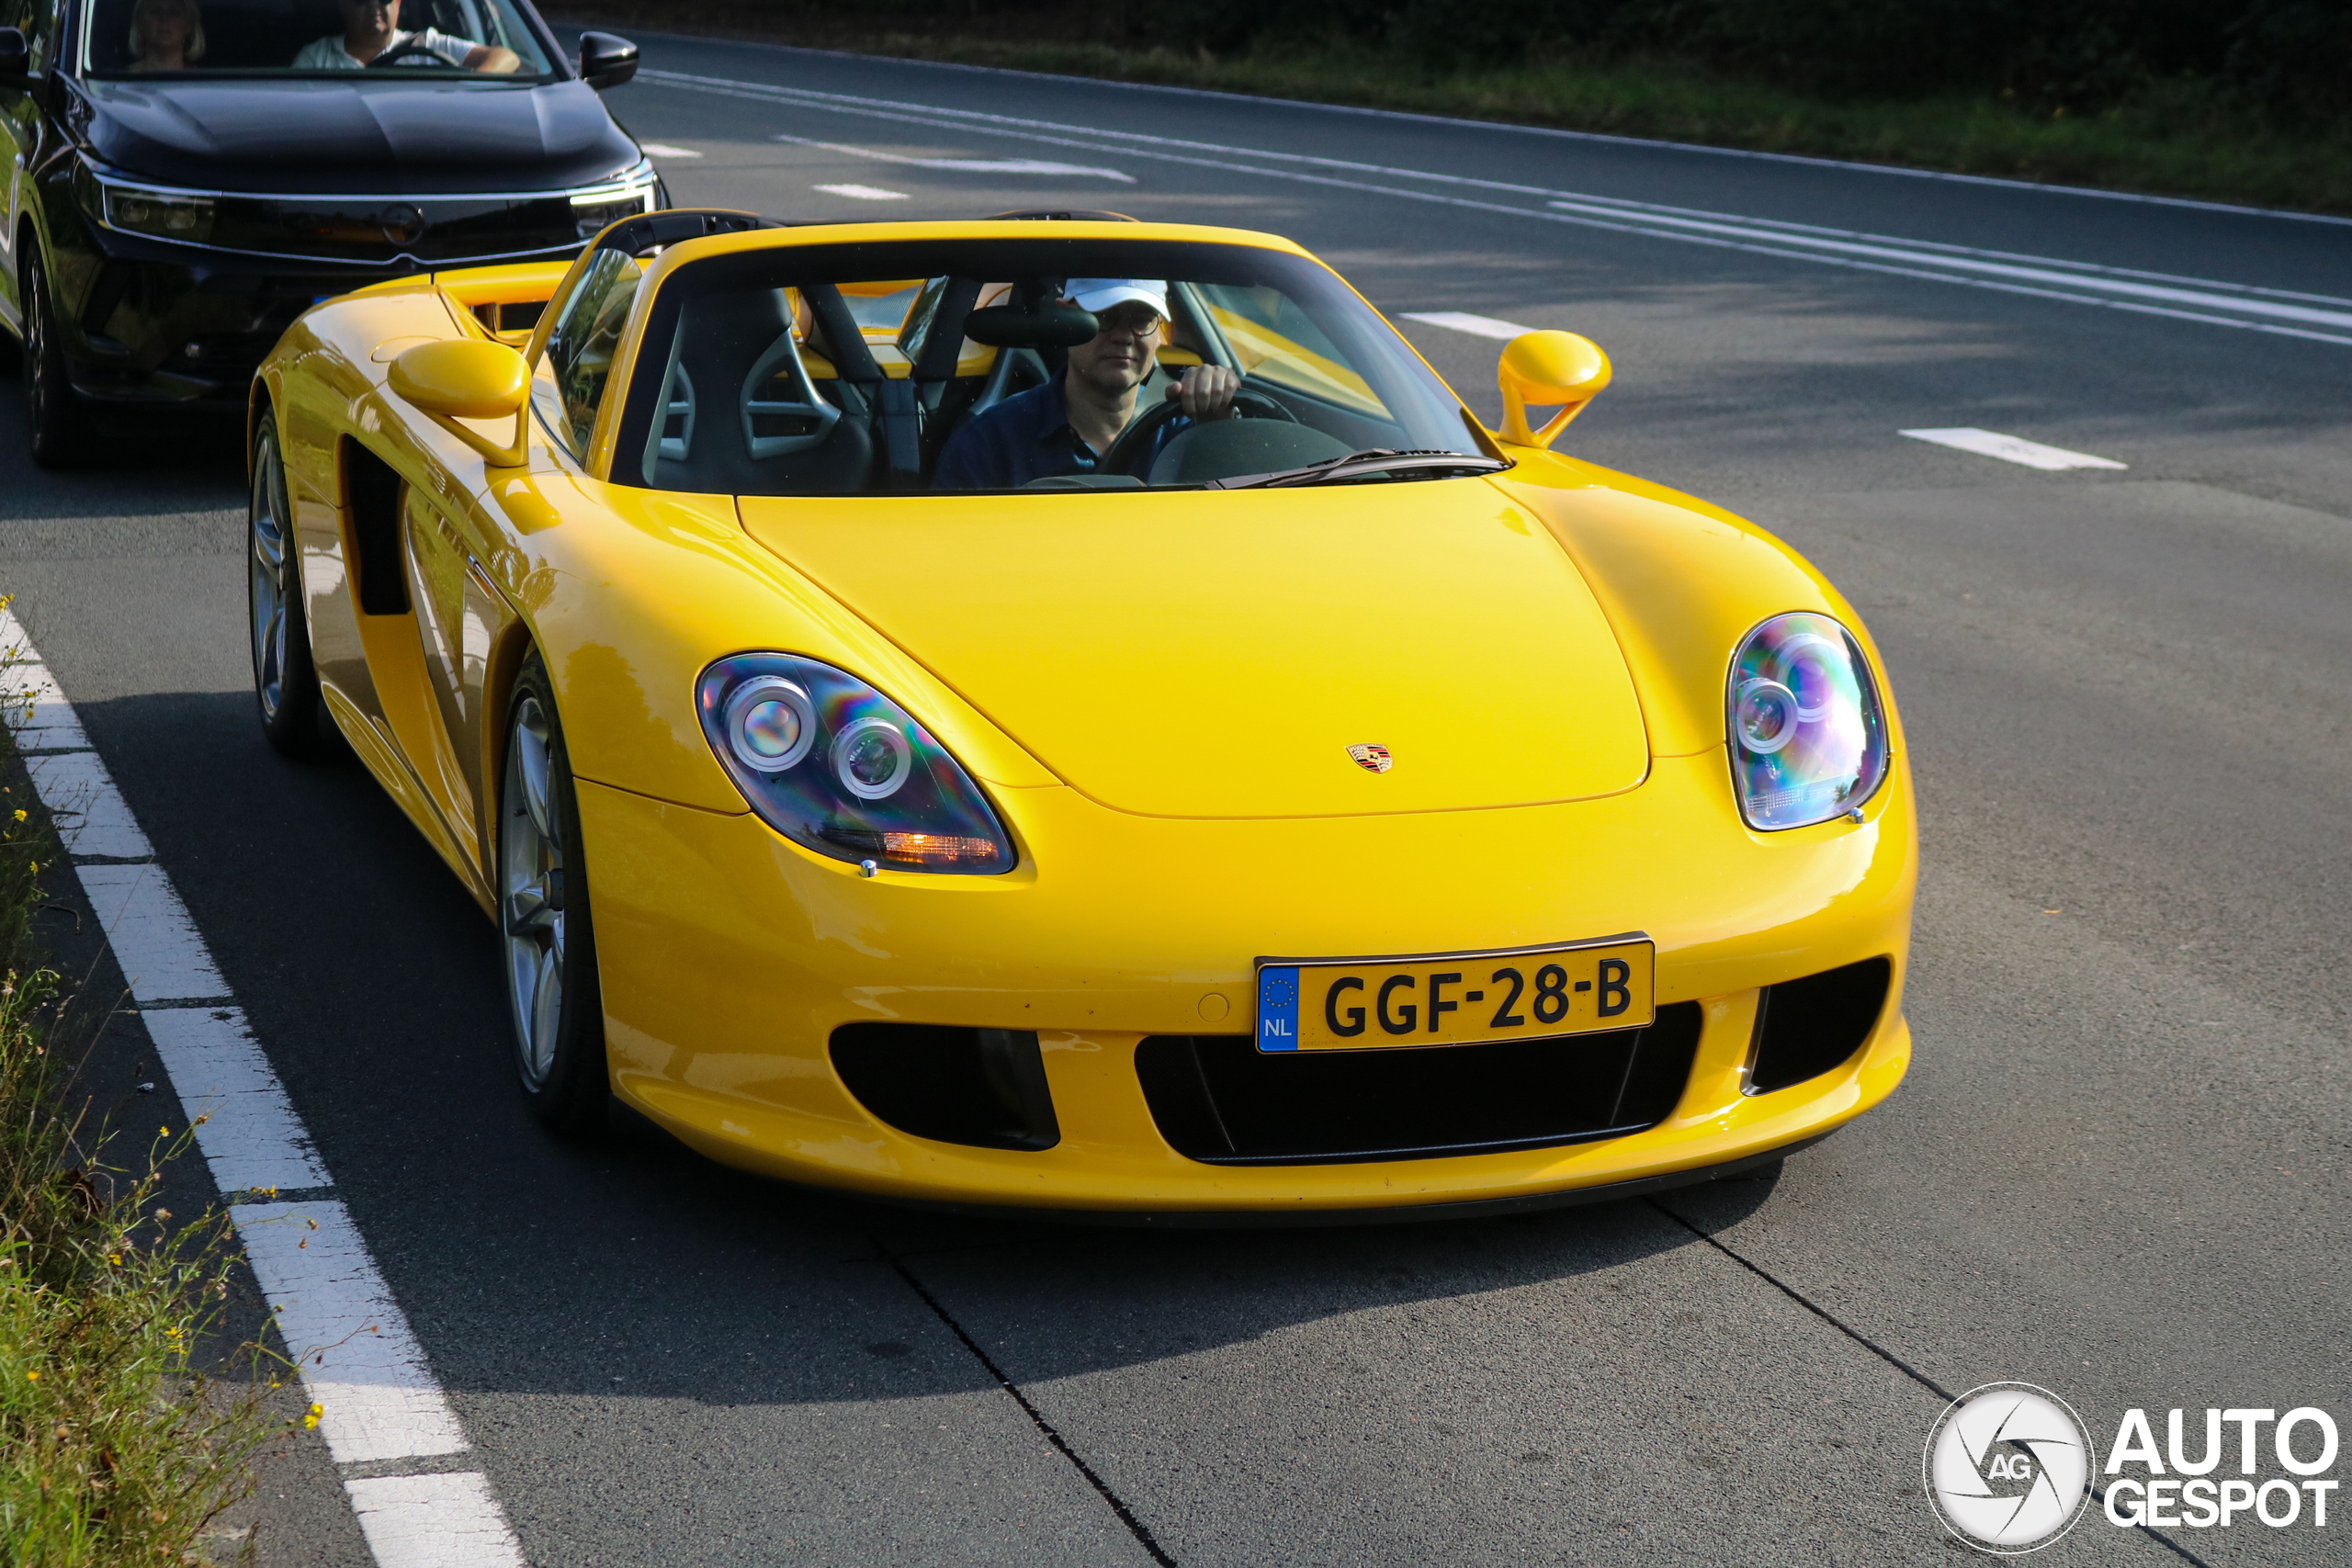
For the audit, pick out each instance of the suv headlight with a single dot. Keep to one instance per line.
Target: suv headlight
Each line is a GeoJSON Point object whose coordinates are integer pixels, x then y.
{"type": "Point", "coordinates": [837, 767]}
{"type": "Point", "coordinates": [159, 213]}
{"type": "Point", "coordinates": [1808, 737]}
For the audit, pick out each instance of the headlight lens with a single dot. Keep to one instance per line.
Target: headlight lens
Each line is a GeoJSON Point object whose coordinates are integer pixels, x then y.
{"type": "Point", "coordinates": [1808, 737]}
{"type": "Point", "coordinates": [164, 215]}
{"type": "Point", "coordinates": [837, 767]}
{"type": "Point", "coordinates": [595, 211]}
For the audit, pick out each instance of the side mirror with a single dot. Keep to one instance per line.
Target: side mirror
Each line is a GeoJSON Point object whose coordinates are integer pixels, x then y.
{"type": "Point", "coordinates": [1548, 370]}
{"type": "Point", "coordinates": [16, 57]}
{"type": "Point", "coordinates": [466, 378]}
{"type": "Point", "coordinates": [605, 60]}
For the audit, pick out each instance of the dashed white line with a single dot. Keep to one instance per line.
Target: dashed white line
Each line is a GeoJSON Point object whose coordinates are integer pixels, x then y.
{"type": "Point", "coordinates": [968, 165]}
{"type": "Point", "coordinates": [2011, 449]}
{"type": "Point", "coordinates": [864, 193]}
{"type": "Point", "coordinates": [357, 1356]}
{"type": "Point", "coordinates": [663, 150]}
{"type": "Point", "coordinates": [1462, 321]}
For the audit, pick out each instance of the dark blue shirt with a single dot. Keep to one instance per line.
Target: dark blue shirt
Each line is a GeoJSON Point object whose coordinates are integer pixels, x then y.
{"type": "Point", "coordinates": [1028, 438]}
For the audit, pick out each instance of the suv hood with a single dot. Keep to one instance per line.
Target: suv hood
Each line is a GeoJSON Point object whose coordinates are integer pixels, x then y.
{"type": "Point", "coordinates": [305, 136]}
{"type": "Point", "coordinates": [1190, 654]}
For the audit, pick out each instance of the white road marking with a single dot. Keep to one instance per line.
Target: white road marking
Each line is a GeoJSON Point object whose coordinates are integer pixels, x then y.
{"type": "Point", "coordinates": [359, 1359]}
{"type": "Point", "coordinates": [864, 193]}
{"type": "Point", "coordinates": [2214, 303]}
{"type": "Point", "coordinates": [90, 816]}
{"type": "Point", "coordinates": [249, 1134]}
{"type": "Point", "coordinates": [663, 150]}
{"type": "Point", "coordinates": [27, 693]}
{"type": "Point", "coordinates": [2012, 448]}
{"type": "Point", "coordinates": [433, 1521]}
{"type": "Point", "coordinates": [339, 1319]}
{"type": "Point", "coordinates": [1462, 322]}
{"type": "Point", "coordinates": [1896, 171]}
{"type": "Point", "coordinates": [967, 166]}
{"type": "Point", "coordinates": [162, 953]}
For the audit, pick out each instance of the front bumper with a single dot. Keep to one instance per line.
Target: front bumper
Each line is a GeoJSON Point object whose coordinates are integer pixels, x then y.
{"type": "Point", "coordinates": [729, 956]}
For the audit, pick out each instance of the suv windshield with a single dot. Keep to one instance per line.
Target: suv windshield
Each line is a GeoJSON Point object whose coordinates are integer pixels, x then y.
{"type": "Point", "coordinates": [990, 364]}
{"type": "Point", "coordinates": [308, 38]}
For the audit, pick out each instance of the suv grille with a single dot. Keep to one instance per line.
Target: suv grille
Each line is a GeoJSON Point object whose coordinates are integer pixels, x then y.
{"type": "Point", "coordinates": [1219, 1100]}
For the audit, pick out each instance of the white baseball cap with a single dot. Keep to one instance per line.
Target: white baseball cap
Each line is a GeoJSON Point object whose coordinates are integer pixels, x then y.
{"type": "Point", "coordinates": [1100, 294]}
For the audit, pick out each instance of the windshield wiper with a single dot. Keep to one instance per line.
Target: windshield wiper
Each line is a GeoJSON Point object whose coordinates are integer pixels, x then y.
{"type": "Point", "coordinates": [1423, 464]}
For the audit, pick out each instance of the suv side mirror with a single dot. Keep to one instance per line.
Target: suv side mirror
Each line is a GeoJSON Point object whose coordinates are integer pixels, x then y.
{"type": "Point", "coordinates": [16, 58]}
{"type": "Point", "coordinates": [605, 60]}
{"type": "Point", "coordinates": [1548, 369]}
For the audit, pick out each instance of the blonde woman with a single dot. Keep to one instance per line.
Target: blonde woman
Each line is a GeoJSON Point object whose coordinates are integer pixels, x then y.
{"type": "Point", "coordinates": [165, 35]}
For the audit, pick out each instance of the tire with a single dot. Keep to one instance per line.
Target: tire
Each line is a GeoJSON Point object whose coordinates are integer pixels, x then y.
{"type": "Point", "coordinates": [547, 943]}
{"type": "Point", "coordinates": [54, 415]}
{"type": "Point", "coordinates": [286, 682]}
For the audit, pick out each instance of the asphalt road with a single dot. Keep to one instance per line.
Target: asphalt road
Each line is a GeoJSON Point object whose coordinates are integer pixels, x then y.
{"type": "Point", "coordinates": [2119, 1169]}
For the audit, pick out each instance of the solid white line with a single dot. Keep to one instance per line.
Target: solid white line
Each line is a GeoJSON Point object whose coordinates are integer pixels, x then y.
{"type": "Point", "coordinates": [158, 946]}
{"type": "Point", "coordinates": [1462, 322]}
{"type": "Point", "coordinates": [28, 692]}
{"type": "Point", "coordinates": [245, 1125]}
{"type": "Point", "coordinates": [1552, 132]}
{"type": "Point", "coordinates": [341, 1323]}
{"type": "Point", "coordinates": [2012, 448]}
{"type": "Point", "coordinates": [1917, 258]}
{"type": "Point", "coordinates": [358, 1358]}
{"type": "Point", "coordinates": [449, 1520]}
{"type": "Point", "coordinates": [2072, 277]}
{"type": "Point", "coordinates": [663, 150]}
{"type": "Point", "coordinates": [967, 166]}
{"type": "Point", "coordinates": [864, 193]}
{"type": "Point", "coordinates": [87, 810]}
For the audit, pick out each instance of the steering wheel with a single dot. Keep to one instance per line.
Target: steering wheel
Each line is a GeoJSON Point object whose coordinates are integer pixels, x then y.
{"type": "Point", "coordinates": [1138, 438]}
{"type": "Point", "coordinates": [402, 51]}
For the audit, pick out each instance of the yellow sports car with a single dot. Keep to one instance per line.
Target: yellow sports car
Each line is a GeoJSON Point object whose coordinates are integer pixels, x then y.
{"type": "Point", "coordinates": [1064, 713]}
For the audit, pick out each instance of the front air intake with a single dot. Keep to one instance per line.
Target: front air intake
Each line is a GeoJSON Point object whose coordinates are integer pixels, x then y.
{"type": "Point", "coordinates": [1805, 1027]}
{"type": "Point", "coordinates": [960, 1086]}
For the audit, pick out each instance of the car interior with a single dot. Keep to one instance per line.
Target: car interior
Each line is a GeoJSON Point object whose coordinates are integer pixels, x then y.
{"type": "Point", "coordinates": [244, 37]}
{"type": "Point", "coordinates": [842, 381]}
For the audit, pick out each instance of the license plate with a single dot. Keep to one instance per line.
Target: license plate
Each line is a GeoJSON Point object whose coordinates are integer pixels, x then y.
{"type": "Point", "coordinates": [1459, 998]}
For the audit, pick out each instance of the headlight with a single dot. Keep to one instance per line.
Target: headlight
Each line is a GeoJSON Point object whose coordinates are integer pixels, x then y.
{"type": "Point", "coordinates": [595, 211]}
{"type": "Point", "coordinates": [140, 209]}
{"type": "Point", "coordinates": [1808, 739]}
{"type": "Point", "coordinates": [837, 767]}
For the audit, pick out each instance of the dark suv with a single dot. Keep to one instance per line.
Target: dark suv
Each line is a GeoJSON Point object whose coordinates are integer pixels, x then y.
{"type": "Point", "coordinates": [189, 175]}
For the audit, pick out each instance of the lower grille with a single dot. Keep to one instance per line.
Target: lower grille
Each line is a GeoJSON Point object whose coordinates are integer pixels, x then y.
{"type": "Point", "coordinates": [1219, 1100]}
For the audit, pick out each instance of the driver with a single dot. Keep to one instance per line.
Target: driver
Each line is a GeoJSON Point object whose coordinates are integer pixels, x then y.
{"type": "Point", "coordinates": [372, 27]}
{"type": "Point", "coordinates": [1064, 426]}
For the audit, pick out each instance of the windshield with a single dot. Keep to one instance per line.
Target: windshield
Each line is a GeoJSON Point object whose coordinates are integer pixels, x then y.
{"type": "Point", "coordinates": [311, 37]}
{"type": "Point", "coordinates": [1029, 364]}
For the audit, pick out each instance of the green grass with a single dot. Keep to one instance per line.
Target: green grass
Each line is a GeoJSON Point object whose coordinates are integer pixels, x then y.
{"type": "Point", "coordinates": [2180, 139]}
{"type": "Point", "coordinates": [115, 1447]}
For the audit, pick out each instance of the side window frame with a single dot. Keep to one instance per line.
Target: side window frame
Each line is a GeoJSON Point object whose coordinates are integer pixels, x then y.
{"type": "Point", "coordinates": [594, 319]}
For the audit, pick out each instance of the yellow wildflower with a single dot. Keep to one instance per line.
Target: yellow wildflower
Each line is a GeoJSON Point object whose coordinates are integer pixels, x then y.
{"type": "Point", "coordinates": [311, 1421]}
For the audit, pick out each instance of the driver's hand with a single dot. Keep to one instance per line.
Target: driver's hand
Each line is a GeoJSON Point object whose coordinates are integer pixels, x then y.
{"type": "Point", "coordinates": [1206, 390]}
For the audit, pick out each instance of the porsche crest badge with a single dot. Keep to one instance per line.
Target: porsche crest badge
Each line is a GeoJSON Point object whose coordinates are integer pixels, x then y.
{"type": "Point", "coordinates": [1371, 759]}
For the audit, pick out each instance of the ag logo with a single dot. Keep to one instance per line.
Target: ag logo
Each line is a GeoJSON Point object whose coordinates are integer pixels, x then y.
{"type": "Point", "coordinates": [1373, 759]}
{"type": "Point", "coordinates": [2008, 1467]}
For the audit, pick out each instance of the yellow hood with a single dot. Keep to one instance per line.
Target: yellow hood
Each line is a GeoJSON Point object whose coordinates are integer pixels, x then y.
{"type": "Point", "coordinates": [1216, 654]}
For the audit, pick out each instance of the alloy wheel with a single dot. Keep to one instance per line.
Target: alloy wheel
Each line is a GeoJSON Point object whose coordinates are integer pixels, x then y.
{"type": "Point", "coordinates": [270, 595]}
{"type": "Point", "coordinates": [530, 865]}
